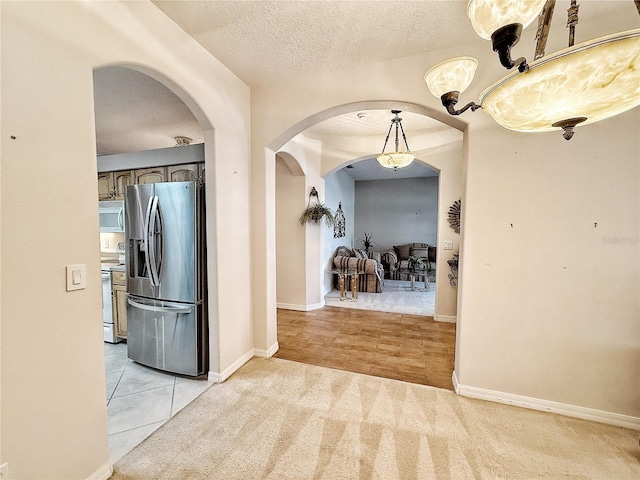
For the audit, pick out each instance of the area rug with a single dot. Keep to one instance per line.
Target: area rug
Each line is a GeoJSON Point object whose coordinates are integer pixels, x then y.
{"type": "Point", "coordinates": [277, 419]}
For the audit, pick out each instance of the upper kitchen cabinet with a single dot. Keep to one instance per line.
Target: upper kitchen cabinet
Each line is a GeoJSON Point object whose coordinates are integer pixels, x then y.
{"type": "Point", "coordinates": [105, 186]}
{"type": "Point", "coordinates": [111, 185]}
{"type": "Point", "coordinates": [121, 180]}
{"type": "Point", "coordinates": [183, 173]}
{"type": "Point", "coordinates": [151, 175]}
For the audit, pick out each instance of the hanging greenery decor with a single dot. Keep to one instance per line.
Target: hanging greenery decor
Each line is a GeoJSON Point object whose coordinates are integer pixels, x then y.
{"type": "Point", "coordinates": [316, 211]}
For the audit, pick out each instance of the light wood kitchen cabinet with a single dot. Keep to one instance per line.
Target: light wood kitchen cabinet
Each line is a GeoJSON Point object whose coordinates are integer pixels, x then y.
{"type": "Point", "coordinates": [183, 173]}
{"type": "Point", "coordinates": [151, 175]}
{"type": "Point", "coordinates": [121, 180]}
{"type": "Point", "coordinates": [105, 186]}
{"type": "Point", "coordinates": [112, 185]}
{"type": "Point", "coordinates": [119, 303]}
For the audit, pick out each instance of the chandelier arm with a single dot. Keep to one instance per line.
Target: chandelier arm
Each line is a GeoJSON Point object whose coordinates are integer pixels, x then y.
{"type": "Point", "coordinates": [471, 105]}
{"type": "Point", "coordinates": [449, 101]}
{"type": "Point", "coordinates": [503, 40]}
{"type": "Point", "coordinates": [544, 24]}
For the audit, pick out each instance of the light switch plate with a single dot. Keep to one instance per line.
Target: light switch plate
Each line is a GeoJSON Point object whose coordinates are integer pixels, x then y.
{"type": "Point", "coordinates": [447, 245]}
{"type": "Point", "coordinates": [76, 277]}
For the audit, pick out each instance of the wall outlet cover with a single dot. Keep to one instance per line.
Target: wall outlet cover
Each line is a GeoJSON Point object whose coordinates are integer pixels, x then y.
{"type": "Point", "coordinates": [447, 245]}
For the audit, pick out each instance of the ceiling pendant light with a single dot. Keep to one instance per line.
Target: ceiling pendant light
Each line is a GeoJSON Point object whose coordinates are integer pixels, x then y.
{"type": "Point", "coordinates": [581, 84]}
{"type": "Point", "coordinates": [396, 159]}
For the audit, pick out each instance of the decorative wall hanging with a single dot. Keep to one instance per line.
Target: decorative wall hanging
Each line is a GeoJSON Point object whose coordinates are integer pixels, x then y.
{"type": "Point", "coordinates": [340, 226]}
{"type": "Point", "coordinates": [316, 211]}
{"type": "Point", "coordinates": [453, 274]}
{"type": "Point", "coordinates": [454, 216]}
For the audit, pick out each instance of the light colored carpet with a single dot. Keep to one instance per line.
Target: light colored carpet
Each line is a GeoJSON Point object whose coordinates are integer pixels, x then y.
{"type": "Point", "coordinates": [276, 419]}
{"type": "Point", "coordinates": [396, 297]}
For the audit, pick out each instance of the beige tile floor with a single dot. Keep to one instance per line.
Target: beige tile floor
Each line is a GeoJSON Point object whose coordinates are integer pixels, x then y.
{"type": "Point", "coordinates": [396, 297]}
{"type": "Point", "coordinates": [141, 399]}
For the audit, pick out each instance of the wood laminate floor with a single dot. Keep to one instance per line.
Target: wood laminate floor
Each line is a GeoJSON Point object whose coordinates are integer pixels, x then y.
{"type": "Point", "coordinates": [411, 348]}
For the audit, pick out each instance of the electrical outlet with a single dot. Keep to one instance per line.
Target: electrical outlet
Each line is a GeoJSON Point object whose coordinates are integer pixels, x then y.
{"type": "Point", "coordinates": [447, 245]}
{"type": "Point", "coordinates": [105, 243]}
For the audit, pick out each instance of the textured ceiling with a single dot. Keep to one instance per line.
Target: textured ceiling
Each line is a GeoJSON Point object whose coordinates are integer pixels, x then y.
{"type": "Point", "coordinates": [265, 41]}
{"type": "Point", "coordinates": [134, 112]}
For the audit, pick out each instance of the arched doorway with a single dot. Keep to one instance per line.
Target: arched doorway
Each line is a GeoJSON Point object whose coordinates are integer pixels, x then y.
{"type": "Point", "coordinates": [144, 133]}
{"type": "Point", "coordinates": [446, 154]}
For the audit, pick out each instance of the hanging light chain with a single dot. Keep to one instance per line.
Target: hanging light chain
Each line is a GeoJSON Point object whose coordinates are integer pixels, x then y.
{"type": "Point", "coordinates": [403, 136]}
{"type": "Point", "coordinates": [572, 21]}
{"type": "Point", "coordinates": [387, 139]}
{"type": "Point", "coordinates": [397, 121]}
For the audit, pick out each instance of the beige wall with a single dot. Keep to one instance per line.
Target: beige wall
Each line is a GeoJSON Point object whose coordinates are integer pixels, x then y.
{"type": "Point", "coordinates": [290, 254]}
{"type": "Point", "coordinates": [307, 294]}
{"type": "Point", "coordinates": [53, 409]}
{"type": "Point", "coordinates": [550, 266]}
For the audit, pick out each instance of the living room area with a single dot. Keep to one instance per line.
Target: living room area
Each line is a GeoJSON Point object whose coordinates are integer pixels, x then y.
{"type": "Point", "coordinates": [401, 322]}
{"type": "Point", "coordinates": [385, 216]}
{"type": "Point", "coordinates": [395, 224]}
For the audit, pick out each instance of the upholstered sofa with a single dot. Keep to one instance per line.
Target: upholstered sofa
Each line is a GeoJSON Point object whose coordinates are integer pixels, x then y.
{"type": "Point", "coordinates": [346, 259]}
{"type": "Point", "coordinates": [397, 258]}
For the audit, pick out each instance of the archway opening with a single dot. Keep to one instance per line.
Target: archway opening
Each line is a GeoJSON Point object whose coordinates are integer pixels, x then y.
{"type": "Point", "coordinates": [148, 130]}
{"type": "Point", "coordinates": [437, 145]}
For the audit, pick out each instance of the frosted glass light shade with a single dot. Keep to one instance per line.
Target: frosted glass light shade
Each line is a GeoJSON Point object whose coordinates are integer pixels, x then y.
{"type": "Point", "coordinates": [487, 16]}
{"type": "Point", "coordinates": [453, 75]}
{"type": "Point", "coordinates": [597, 79]}
{"type": "Point", "coordinates": [395, 160]}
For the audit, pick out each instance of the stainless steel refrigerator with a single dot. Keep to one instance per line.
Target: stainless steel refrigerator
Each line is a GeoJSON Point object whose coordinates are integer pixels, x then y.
{"type": "Point", "coordinates": [166, 276]}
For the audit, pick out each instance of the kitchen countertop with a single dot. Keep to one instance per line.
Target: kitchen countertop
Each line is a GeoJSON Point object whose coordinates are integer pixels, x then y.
{"type": "Point", "coordinates": [112, 267]}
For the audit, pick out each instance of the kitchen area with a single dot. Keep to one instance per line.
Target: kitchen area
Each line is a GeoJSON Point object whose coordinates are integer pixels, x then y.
{"type": "Point", "coordinates": [153, 279]}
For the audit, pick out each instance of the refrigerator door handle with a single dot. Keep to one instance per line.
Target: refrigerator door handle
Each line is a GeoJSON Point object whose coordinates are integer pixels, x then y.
{"type": "Point", "coordinates": [155, 241]}
{"type": "Point", "coordinates": [153, 308]}
{"type": "Point", "coordinates": [145, 240]}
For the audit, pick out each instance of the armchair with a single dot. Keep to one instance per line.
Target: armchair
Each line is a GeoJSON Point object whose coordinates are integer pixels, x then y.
{"type": "Point", "coordinates": [373, 279]}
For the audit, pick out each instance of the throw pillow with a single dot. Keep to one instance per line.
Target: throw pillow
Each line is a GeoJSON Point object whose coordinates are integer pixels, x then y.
{"type": "Point", "coordinates": [343, 251]}
{"type": "Point", "coordinates": [422, 252]}
{"type": "Point", "coordinates": [402, 251]}
{"type": "Point", "coordinates": [358, 253]}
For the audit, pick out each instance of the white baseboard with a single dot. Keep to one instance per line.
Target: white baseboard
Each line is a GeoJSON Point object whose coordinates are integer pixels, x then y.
{"type": "Point", "coordinates": [270, 352]}
{"type": "Point", "coordinates": [103, 473]}
{"type": "Point", "coordinates": [215, 377]}
{"type": "Point", "coordinates": [446, 318]}
{"type": "Point", "coordinates": [532, 403]}
{"type": "Point", "coordinates": [454, 381]}
{"type": "Point", "coordinates": [299, 308]}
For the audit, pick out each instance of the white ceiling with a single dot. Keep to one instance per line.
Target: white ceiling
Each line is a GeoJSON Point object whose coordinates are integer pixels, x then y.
{"type": "Point", "coordinates": [266, 41]}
